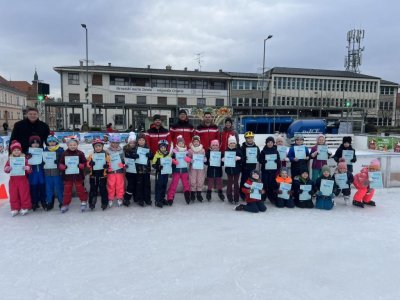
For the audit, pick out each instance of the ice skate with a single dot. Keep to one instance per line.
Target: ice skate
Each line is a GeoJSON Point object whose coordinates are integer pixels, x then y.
{"type": "Point", "coordinates": [187, 196]}
{"type": "Point", "coordinates": [199, 197]}
{"type": "Point", "coordinates": [64, 208]}
{"type": "Point", "coordinates": [346, 199]}
{"type": "Point", "coordinates": [14, 213]}
{"type": "Point", "coordinates": [370, 203]}
{"type": "Point", "coordinates": [221, 195]}
{"type": "Point", "coordinates": [192, 196]}
{"type": "Point", "coordinates": [240, 207]}
{"type": "Point", "coordinates": [110, 204]}
{"type": "Point", "coordinates": [23, 212]}
{"type": "Point", "coordinates": [359, 204]}
{"type": "Point", "coordinates": [208, 196]}
{"type": "Point", "coordinates": [119, 202]}
{"type": "Point", "coordinates": [83, 206]}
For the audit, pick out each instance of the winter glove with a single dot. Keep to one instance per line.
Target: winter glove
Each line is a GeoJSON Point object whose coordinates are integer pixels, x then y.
{"type": "Point", "coordinates": [81, 166]}
{"type": "Point", "coordinates": [223, 159]}
{"type": "Point", "coordinates": [276, 161]}
{"type": "Point", "coordinates": [105, 166]}
{"type": "Point", "coordinates": [353, 160]}
{"type": "Point", "coordinates": [135, 156]}
{"type": "Point", "coordinates": [238, 158]}
{"type": "Point", "coordinates": [279, 192]}
{"type": "Point", "coordinates": [56, 162]}
{"type": "Point", "coordinates": [175, 162]}
{"type": "Point", "coordinates": [310, 192]}
{"type": "Point", "coordinates": [27, 168]}
{"type": "Point", "coordinates": [368, 190]}
{"type": "Point", "coordinates": [28, 156]}
{"type": "Point", "coordinates": [91, 163]}
{"type": "Point", "coordinates": [7, 169]}
{"type": "Point", "coordinates": [188, 159]}
{"type": "Point", "coordinates": [160, 167]}
{"type": "Point", "coordinates": [121, 165]}
{"type": "Point", "coordinates": [62, 167]}
{"type": "Point", "coordinates": [148, 154]}
{"type": "Point", "coordinates": [319, 193]}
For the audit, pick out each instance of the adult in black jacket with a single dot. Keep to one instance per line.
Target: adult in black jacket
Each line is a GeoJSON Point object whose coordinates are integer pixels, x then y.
{"type": "Point", "coordinates": [29, 126]}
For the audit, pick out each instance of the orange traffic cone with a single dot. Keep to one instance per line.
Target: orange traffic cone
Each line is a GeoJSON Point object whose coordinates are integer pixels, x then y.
{"type": "Point", "coordinates": [3, 192]}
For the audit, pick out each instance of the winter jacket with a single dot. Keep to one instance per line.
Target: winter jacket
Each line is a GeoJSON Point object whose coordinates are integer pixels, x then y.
{"type": "Point", "coordinates": [110, 151]}
{"type": "Point", "coordinates": [298, 182]}
{"type": "Point", "coordinates": [317, 185]}
{"type": "Point", "coordinates": [59, 151]}
{"type": "Point", "coordinates": [24, 129]}
{"type": "Point", "coordinates": [226, 133]}
{"type": "Point", "coordinates": [246, 189]}
{"type": "Point", "coordinates": [154, 135]}
{"type": "Point", "coordinates": [361, 180]}
{"type": "Point", "coordinates": [196, 150]}
{"type": "Point", "coordinates": [26, 164]}
{"type": "Point", "coordinates": [98, 173]}
{"type": "Point", "coordinates": [213, 172]}
{"type": "Point", "coordinates": [338, 155]}
{"type": "Point", "coordinates": [183, 128]}
{"type": "Point", "coordinates": [317, 164]}
{"type": "Point", "coordinates": [82, 161]}
{"type": "Point", "coordinates": [141, 169]}
{"type": "Point", "coordinates": [207, 134]}
{"type": "Point", "coordinates": [173, 156]}
{"type": "Point", "coordinates": [235, 170]}
{"type": "Point", "coordinates": [297, 167]}
{"type": "Point", "coordinates": [247, 166]}
{"type": "Point", "coordinates": [280, 180]}
{"type": "Point", "coordinates": [156, 162]}
{"type": "Point", "coordinates": [268, 151]}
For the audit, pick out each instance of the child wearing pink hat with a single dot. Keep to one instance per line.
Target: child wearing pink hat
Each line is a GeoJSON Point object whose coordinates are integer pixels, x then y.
{"type": "Point", "coordinates": [365, 193]}
{"type": "Point", "coordinates": [343, 187]}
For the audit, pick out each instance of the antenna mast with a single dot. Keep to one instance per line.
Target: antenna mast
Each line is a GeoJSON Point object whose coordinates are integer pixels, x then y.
{"type": "Point", "coordinates": [352, 61]}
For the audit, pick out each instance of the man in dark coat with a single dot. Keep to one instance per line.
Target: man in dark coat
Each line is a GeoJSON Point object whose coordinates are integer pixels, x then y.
{"type": "Point", "coordinates": [29, 126]}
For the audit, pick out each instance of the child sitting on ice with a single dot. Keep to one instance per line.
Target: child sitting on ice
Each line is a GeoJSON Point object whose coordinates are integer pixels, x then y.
{"type": "Point", "coordinates": [324, 186]}
{"type": "Point", "coordinates": [253, 191]}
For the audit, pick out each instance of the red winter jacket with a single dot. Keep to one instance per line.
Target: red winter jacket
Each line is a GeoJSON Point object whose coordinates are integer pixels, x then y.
{"type": "Point", "coordinates": [226, 133]}
{"type": "Point", "coordinates": [154, 135]}
{"type": "Point", "coordinates": [361, 180]}
{"type": "Point", "coordinates": [246, 189]}
{"type": "Point", "coordinates": [183, 128]}
{"type": "Point", "coordinates": [207, 134]}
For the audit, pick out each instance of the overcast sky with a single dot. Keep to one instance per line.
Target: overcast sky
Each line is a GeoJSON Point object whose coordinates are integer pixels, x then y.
{"type": "Point", "coordinates": [229, 34]}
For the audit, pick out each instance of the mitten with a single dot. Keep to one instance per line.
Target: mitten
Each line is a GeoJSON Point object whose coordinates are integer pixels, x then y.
{"type": "Point", "coordinates": [7, 169]}
{"type": "Point", "coordinates": [81, 166]}
{"type": "Point", "coordinates": [105, 166]}
{"type": "Point", "coordinates": [188, 159]}
{"type": "Point", "coordinates": [276, 161]}
{"type": "Point", "coordinates": [148, 154]}
{"type": "Point", "coordinates": [62, 167]}
{"type": "Point", "coordinates": [175, 162]}
{"type": "Point", "coordinates": [91, 163]}
{"type": "Point", "coordinates": [28, 156]}
{"type": "Point", "coordinates": [238, 158]}
{"type": "Point", "coordinates": [27, 168]}
{"type": "Point", "coordinates": [319, 193]}
{"type": "Point", "coordinates": [160, 167]}
{"type": "Point", "coordinates": [121, 165]}
{"type": "Point", "coordinates": [279, 191]}
{"type": "Point", "coordinates": [135, 156]}
{"type": "Point", "coordinates": [353, 160]}
{"type": "Point", "coordinates": [56, 162]}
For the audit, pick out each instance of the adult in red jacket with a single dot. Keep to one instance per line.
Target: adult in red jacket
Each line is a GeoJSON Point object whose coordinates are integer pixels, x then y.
{"type": "Point", "coordinates": [183, 127]}
{"type": "Point", "coordinates": [207, 131]}
{"type": "Point", "coordinates": [226, 133]}
{"type": "Point", "coordinates": [156, 133]}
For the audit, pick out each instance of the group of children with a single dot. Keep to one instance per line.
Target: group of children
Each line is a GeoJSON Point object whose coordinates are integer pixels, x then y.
{"type": "Point", "coordinates": [36, 182]}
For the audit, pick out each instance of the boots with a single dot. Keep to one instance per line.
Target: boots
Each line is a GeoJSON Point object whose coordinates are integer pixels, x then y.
{"type": "Point", "coordinates": [221, 195]}
{"type": "Point", "coordinates": [187, 196]}
{"type": "Point", "coordinates": [208, 195]}
{"type": "Point", "coordinates": [199, 197]}
{"type": "Point", "coordinates": [127, 199]}
{"type": "Point", "coordinates": [357, 203]}
{"type": "Point", "coordinates": [192, 196]}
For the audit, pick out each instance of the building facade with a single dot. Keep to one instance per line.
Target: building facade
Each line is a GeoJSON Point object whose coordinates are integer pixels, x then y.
{"type": "Point", "coordinates": [12, 102]}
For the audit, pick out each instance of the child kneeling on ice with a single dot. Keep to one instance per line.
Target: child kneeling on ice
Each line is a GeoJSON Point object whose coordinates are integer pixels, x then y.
{"type": "Point", "coordinates": [324, 189]}
{"type": "Point", "coordinates": [364, 192]}
{"type": "Point", "coordinates": [253, 189]}
{"type": "Point", "coordinates": [283, 199]}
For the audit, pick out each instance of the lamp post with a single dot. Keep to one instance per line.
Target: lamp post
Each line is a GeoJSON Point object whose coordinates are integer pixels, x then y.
{"type": "Point", "coordinates": [87, 72]}
{"type": "Point", "coordinates": [263, 73]}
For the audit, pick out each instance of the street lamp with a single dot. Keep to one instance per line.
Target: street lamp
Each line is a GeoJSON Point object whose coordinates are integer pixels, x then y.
{"type": "Point", "coordinates": [87, 72]}
{"type": "Point", "coordinates": [263, 71]}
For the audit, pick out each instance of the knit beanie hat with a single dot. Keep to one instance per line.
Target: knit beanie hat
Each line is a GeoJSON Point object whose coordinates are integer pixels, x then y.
{"type": "Point", "coordinates": [326, 169]}
{"type": "Point", "coordinates": [182, 111]}
{"type": "Point", "coordinates": [320, 135]}
{"type": "Point", "coordinates": [375, 164]}
{"type": "Point", "coordinates": [52, 138]}
{"type": "Point", "coordinates": [232, 139]}
{"type": "Point", "coordinates": [34, 139]}
{"type": "Point", "coordinates": [299, 137]}
{"type": "Point", "coordinates": [141, 136]}
{"type": "Point", "coordinates": [347, 139]}
{"type": "Point", "coordinates": [280, 138]}
{"type": "Point", "coordinates": [342, 165]}
{"type": "Point", "coordinates": [283, 169]}
{"type": "Point", "coordinates": [269, 139]}
{"type": "Point", "coordinates": [156, 117]}
{"type": "Point", "coordinates": [115, 138]}
{"type": "Point", "coordinates": [179, 139]}
{"type": "Point", "coordinates": [131, 137]}
{"type": "Point", "coordinates": [214, 143]}
{"type": "Point", "coordinates": [254, 172]}
{"type": "Point", "coordinates": [196, 138]}
{"type": "Point", "coordinates": [15, 145]}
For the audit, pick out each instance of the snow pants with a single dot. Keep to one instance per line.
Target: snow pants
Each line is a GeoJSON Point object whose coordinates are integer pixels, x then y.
{"type": "Point", "coordinates": [38, 194]}
{"type": "Point", "coordinates": [324, 202]}
{"type": "Point", "coordinates": [212, 182]}
{"type": "Point", "coordinates": [143, 188]}
{"type": "Point", "coordinates": [161, 187]}
{"type": "Point", "coordinates": [280, 202]}
{"type": "Point", "coordinates": [54, 183]}
{"type": "Point", "coordinates": [255, 207]}
{"type": "Point", "coordinates": [130, 192]}
{"type": "Point", "coordinates": [80, 191]}
{"type": "Point", "coordinates": [362, 195]}
{"type": "Point", "coordinates": [232, 189]}
{"type": "Point", "coordinates": [197, 178]}
{"type": "Point", "coordinates": [174, 184]}
{"type": "Point", "coordinates": [115, 186]}
{"type": "Point", "coordinates": [20, 197]}
{"type": "Point", "coordinates": [98, 183]}
{"type": "Point", "coordinates": [268, 179]}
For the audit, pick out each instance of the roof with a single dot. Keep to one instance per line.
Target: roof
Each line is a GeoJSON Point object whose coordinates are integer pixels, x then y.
{"type": "Point", "coordinates": [144, 71]}
{"type": "Point", "coordinates": [23, 86]}
{"type": "Point", "coordinates": [7, 87]}
{"type": "Point", "coordinates": [319, 72]}
{"type": "Point", "coordinates": [385, 82]}
{"type": "Point", "coordinates": [243, 75]}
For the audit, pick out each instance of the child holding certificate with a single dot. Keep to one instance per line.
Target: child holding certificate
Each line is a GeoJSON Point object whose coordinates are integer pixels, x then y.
{"type": "Point", "coordinates": [324, 187]}
{"type": "Point", "coordinates": [253, 191]}
{"type": "Point", "coordinates": [98, 163]}
{"type": "Point", "coordinates": [197, 171]}
{"type": "Point", "coordinates": [270, 164]}
{"type": "Point", "coordinates": [250, 153]}
{"type": "Point", "coordinates": [282, 149]}
{"type": "Point", "coordinates": [232, 170]}
{"type": "Point", "coordinates": [299, 156]}
{"type": "Point", "coordinates": [303, 188]}
{"type": "Point", "coordinates": [362, 182]}
{"type": "Point", "coordinates": [214, 170]}
{"type": "Point", "coordinates": [161, 162]}
{"type": "Point", "coordinates": [180, 160]}
{"type": "Point", "coordinates": [343, 179]}
{"type": "Point", "coordinates": [283, 188]}
{"type": "Point", "coordinates": [131, 176]}
{"type": "Point", "coordinates": [346, 151]}
{"type": "Point", "coordinates": [18, 187]}
{"type": "Point", "coordinates": [320, 155]}
{"type": "Point", "coordinates": [72, 164]}
{"type": "Point", "coordinates": [116, 170]}
{"type": "Point", "coordinates": [36, 177]}
{"type": "Point", "coordinates": [52, 174]}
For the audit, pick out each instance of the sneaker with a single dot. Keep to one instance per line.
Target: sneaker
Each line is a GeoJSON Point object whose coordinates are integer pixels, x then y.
{"type": "Point", "coordinates": [357, 203]}
{"type": "Point", "coordinates": [14, 213]}
{"type": "Point", "coordinates": [119, 202]}
{"type": "Point", "coordinates": [83, 206]}
{"type": "Point", "coordinates": [346, 200]}
{"type": "Point", "coordinates": [64, 209]}
{"type": "Point", "coordinates": [240, 207]}
{"type": "Point", "coordinates": [370, 203]}
{"type": "Point", "coordinates": [23, 212]}
{"type": "Point", "coordinates": [110, 204]}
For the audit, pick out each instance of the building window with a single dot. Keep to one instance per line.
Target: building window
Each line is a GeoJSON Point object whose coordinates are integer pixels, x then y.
{"type": "Point", "coordinates": [182, 101]}
{"type": "Point", "coordinates": [97, 79]}
{"type": "Point", "coordinates": [73, 98]}
{"type": "Point", "coordinates": [73, 78]}
{"type": "Point", "coordinates": [162, 83]}
{"type": "Point", "coordinates": [141, 99]}
{"type": "Point", "coordinates": [217, 85]}
{"type": "Point", "coordinates": [119, 99]}
{"type": "Point", "coordinates": [219, 102]}
{"type": "Point", "coordinates": [98, 119]}
{"type": "Point", "coordinates": [97, 98]}
{"type": "Point", "coordinates": [201, 102]}
{"type": "Point", "coordinates": [120, 81]}
{"type": "Point", "coordinates": [75, 119]}
{"type": "Point", "coordinates": [119, 120]}
{"type": "Point", "coordinates": [162, 100]}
